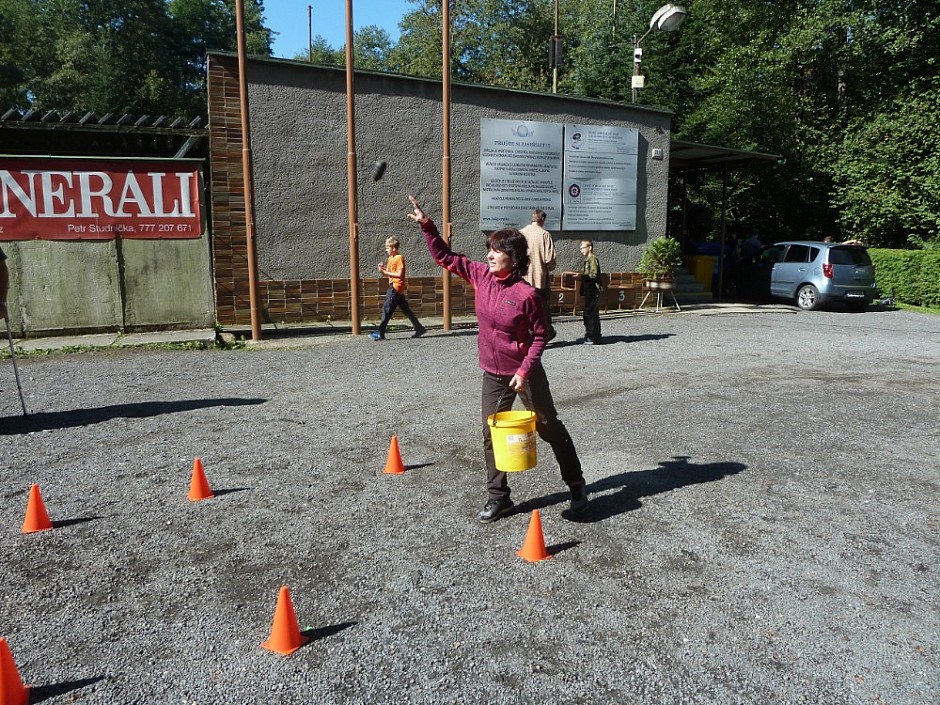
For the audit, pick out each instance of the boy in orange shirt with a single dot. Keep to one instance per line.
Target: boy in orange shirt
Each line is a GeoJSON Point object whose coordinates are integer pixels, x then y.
{"type": "Point", "coordinates": [394, 269]}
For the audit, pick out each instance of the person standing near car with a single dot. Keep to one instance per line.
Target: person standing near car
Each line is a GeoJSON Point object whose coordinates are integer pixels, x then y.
{"type": "Point", "coordinates": [541, 262]}
{"type": "Point", "coordinates": [751, 248]}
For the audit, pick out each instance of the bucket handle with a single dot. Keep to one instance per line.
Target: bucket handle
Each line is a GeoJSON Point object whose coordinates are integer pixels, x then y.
{"type": "Point", "coordinates": [499, 403]}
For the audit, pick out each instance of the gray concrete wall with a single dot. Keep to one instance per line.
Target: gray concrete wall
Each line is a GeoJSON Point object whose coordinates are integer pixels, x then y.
{"type": "Point", "coordinates": [168, 284]}
{"type": "Point", "coordinates": [299, 148]}
{"type": "Point", "coordinates": [77, 286]}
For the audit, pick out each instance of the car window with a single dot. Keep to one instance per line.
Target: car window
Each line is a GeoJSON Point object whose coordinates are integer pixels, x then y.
{"type": "Point", "coordinates": [856, 256]}
{"type": "Point", "coordinates": [770, 255]}
{"type": "Point", "coordinates": [797, 253]}
{"type": "Point", "coordinates": [813, 253]}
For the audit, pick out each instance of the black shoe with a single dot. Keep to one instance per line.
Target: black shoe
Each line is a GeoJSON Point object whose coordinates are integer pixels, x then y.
{"type": "Point", "coordinates": [419, 332]}
{"type": "Point", "coordinates": [494, 509]}
{"type": "Point", "coordinates": [579, 499]}
{"type": "Point", "coordinates": [551, 336]}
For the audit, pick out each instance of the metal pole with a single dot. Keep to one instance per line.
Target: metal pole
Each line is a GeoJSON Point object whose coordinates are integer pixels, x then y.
{"type": "Point", "coordinates": [722, 236]}
{"type": "Point", "coordinates": [445, 165]}
{"type": "Point", "coordinates": [310, 33]}
{"type": "Point", "coordinates": [16, 371]}
{"type": "Point", "coordinates": [249, 189]}
{"type": "Point", "coordinates": [351, 174]}
{"type": "Point", "coordinates": [555, 60]}
{"type": "Point", "coordinates": [636, 64]}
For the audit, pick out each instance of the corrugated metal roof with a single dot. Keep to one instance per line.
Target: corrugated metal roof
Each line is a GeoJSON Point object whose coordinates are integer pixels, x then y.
{"type": "Point", "coordinates": [110, 134]}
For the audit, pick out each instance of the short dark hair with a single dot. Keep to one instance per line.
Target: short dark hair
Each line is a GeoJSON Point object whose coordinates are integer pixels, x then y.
{"type": "Point", "coordinates": [514, 244]}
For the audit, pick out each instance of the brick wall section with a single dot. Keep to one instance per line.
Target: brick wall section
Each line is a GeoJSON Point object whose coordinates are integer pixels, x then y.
{"type": "Point", "coordinates": [228, 203]}
{"type": "Point", "coordinates": [297, 301]}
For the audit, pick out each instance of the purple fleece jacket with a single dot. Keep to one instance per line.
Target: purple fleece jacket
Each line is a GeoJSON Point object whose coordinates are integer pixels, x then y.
{"type": "Point", "coordinates": [509, 311]}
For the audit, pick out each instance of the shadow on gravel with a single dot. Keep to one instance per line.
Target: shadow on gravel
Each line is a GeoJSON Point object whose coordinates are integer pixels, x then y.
{"type": "Point", "coordinates": [416, 466]}
{"type": "Point", "coordinates": [59, 523]}
{"type": "Point", "coordinates": [230, 490]}
{"type": "Point", "coordinates": [46, 421]}
{"type": "Point", "coordinates": [621, 493]}
{"type": "Point", "coordinates": [38, 693]}
{"type": "Point", "coordinates": [315, 634]}
{"type": "Point", "coordinates": [611, 339]}
{"type": "Point", "coordinates": [557, 548]}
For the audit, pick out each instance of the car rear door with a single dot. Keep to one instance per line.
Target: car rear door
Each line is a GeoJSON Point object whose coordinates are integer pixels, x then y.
{"type": "Point", "coordinates": [852, 270]}
{"type": "Point", "coordinates": [790, 270]}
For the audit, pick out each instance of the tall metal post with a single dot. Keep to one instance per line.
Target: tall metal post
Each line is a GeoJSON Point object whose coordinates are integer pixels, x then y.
{"type": "Point", "coordinates": [554, 58]}
{"type": "Point", "coordinates": [351, 174]}
{"type": "Point", "coordinates": [310, 33]}
{"type": "Point", "coordinates": [248, 179]}
{"type": "Point", "coordinates": [445, 163]}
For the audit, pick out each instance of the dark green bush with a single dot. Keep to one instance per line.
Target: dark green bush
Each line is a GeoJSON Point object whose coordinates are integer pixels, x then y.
{"type": "Point", "coordinates": [908, 276]}
{"type": "Point", "coordinates": [930, 278]}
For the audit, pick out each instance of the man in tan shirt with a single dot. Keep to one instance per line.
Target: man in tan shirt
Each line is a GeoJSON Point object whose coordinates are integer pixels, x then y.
{"type": "Point", "coordinates": [541, 262]}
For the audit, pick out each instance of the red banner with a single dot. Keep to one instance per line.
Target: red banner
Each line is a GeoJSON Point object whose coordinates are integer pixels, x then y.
{"type": "Point", "coordinates": [86, 199]}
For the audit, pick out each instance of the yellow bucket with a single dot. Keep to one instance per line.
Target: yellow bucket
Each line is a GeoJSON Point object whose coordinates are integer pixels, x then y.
{"type": "Point", "coordinates": [513, 435]}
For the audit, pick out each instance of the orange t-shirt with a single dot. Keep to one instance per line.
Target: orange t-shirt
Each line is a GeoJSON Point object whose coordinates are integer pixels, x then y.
{"type": "Point", "coordinates": [396, 263]}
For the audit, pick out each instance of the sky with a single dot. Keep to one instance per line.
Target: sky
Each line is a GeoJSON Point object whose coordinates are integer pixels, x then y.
{"type": "Point", "coordinates": [289, 19]}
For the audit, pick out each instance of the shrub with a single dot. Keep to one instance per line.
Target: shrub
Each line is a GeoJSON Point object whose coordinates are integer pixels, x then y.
{"type": "Point", "coordinates": [908, 276]}
{"type": "Point", "coordinates": [661, 258]}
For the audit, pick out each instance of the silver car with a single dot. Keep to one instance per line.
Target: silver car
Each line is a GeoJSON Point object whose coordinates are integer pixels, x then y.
{"type": "Point", "coordinates": [816, 273]}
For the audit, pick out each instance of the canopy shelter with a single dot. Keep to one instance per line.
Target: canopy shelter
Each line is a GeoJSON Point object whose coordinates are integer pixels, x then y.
{"type": "Point", "coordinates": [112, 135]}
{"type": "Point", "coordinates": [688, 157]}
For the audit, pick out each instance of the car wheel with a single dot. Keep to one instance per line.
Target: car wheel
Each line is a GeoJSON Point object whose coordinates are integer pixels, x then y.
{"type": "Point", "coordinates": [807, 297]}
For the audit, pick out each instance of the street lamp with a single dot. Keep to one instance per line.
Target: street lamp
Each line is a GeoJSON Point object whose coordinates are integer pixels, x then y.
{"type": "Point", "coordinates": [666, 18]}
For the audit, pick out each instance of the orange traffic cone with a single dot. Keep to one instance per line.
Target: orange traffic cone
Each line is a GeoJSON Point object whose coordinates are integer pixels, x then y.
{"type": "Point", "coordinates": [199, 485]}
{"type": "Point", "coordinates": [37, 518]}
{"type": "Point", "coordinates": [394, 465]}
{"type": "Point", "coordinates": [533, 550]}
{"type": "Point", "coordinates": [285, 631]}
{"type": "Point", "coordinates": [12, 690]}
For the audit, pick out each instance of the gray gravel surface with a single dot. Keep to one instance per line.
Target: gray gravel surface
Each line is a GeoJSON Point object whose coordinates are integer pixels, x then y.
{"type": "Point", "coordinates": [763, 526]}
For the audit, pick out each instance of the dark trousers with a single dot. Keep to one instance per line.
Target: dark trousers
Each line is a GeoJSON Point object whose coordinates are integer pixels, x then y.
{"type": "Point", "coordinates": [536, 397]}
{"type": "Point", "coordinates": [395, 300]}
{"type": "Point", "coordinates": [546, 295]}
{"type": "Point", "coordinates": [592, 318]}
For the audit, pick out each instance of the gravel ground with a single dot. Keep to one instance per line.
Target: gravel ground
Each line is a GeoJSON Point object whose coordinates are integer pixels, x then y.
{"type": "Point", "coordinates": [763, 526]}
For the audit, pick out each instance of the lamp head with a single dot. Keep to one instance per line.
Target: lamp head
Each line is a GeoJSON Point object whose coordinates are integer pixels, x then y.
{"type": "Point", "coordinates": [668, 17]}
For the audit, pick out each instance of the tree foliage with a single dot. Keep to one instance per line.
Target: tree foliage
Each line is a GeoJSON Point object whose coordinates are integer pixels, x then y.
{"type": "Point", "coordinates": [142, 56]}
{"type": "Point", "coordinates": [846, 91]}
{"type": "Point", "coordinates": [843, 90]}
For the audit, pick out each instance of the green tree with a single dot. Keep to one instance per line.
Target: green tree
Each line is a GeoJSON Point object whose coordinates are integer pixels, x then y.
{"type": "Point", "coordinates": [811, 80]}
{"type": "Point", "coordinates": [493, 42]}
{"type": "Point", "coordinates": [18, 29]}
{"type": "Point", "coordinates": [322, 53]}
{"type": "Point", "coordinates": [887, 173]}
{"type": "Point", "coordinates": [140, 56]}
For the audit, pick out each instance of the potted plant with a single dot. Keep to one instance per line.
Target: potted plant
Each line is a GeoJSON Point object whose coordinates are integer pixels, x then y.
{"type": "Point", "coordinates": [659, 262]}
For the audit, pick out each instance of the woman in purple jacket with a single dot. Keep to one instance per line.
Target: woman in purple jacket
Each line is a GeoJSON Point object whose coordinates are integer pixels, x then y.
{"type": "Point", "coordinates": [512, 336]}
